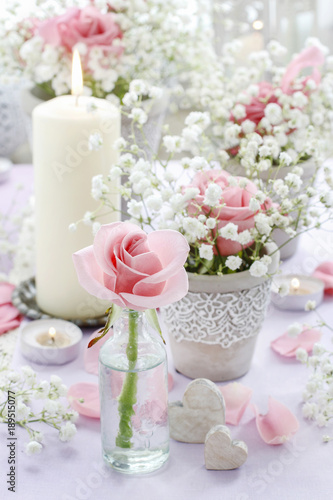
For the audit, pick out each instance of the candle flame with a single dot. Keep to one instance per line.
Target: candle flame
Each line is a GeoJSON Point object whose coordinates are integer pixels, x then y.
{"type": "Point", "coordinates": [52, 333]}
{"type": "Point", "coordinates": [258, 25]}
{"type": "Point", "coordinates": [77, 80]}
{"type": "Point", "coordinates": [295, 284]}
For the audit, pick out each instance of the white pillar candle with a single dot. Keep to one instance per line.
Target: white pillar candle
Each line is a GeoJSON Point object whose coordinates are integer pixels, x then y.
{"type": "Point", "coordinates": [64, 167]}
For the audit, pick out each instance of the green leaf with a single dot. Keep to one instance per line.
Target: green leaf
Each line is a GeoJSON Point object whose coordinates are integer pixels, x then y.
{"type": "Point", "coordinates": [152, 319]}
{"type": "Point", "coordinates": [114, 312]}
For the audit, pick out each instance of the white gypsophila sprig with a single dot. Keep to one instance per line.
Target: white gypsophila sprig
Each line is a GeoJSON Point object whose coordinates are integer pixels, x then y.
{"type": "Point", "coordinates": [21, 391]}
{"type": "Point", "coordinates": [143, 46]}
{"type": "Point", "coordinates": [162, 190]}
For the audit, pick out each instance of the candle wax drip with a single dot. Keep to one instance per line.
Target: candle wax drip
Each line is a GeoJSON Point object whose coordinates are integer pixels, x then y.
{"type": "Point", "coordinates": [59, 340]}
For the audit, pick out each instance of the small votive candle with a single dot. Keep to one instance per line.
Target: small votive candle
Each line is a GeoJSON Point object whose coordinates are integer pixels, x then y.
{"type": "Point", "coordinates": [52, 338]}
{"type": "Point", "coordinates": [301, 290]}
{"type": "Point", "coordinates": [50, 341]}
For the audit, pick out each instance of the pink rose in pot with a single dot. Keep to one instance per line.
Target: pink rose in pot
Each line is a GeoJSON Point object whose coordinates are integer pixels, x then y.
{"type": "Point", "coordinates": [88, 26]}
{"type": "Point", "coordinates": [133, 269]}
{"type": "Point", "coordinates": [233, 207]}
{"type": "Point", "coordinates": [255, 111]}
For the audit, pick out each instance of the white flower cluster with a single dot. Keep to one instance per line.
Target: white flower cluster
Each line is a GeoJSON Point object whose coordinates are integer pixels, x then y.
{"type": "Point", "coordinates": [257, 122]}
{"type": "Point", "coordinates": [318, 393]}
{"type": "Point", "coordinates": [158, 40]}
{"type": "Point", "coordinates": [164, 194]}
{"type": "Point", "coordinates": [54, 411]}
{"type": "Point", "coordinates": [17, 242]}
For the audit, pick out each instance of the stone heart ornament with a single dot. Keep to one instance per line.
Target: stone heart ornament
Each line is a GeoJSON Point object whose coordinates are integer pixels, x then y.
{"type": "Point", "coordinates": [202, 408]}
{"type": "Point", "coordinates": [221, 453]}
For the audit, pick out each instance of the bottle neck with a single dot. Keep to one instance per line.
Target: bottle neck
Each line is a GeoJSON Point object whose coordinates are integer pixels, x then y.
{"type": "Point", "coordinates": [130, 322]}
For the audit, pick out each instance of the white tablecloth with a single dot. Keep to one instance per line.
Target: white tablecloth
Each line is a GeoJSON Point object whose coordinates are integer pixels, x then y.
{"type": "Point", "coordinates": [299, 470]}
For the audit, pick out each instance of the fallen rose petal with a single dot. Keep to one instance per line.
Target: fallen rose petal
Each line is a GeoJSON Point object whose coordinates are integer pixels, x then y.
{"type": "Point", "coordinates": [91, 354]}
{"type": "Point", "coordinates": [10, 325]}
{"type": "Point", "coordinates": [236, 397]}
{"type": "Point", "coordinates": [287, 346]}
{"type": "Point", "coordinates": [278, 425]}
{"type": "Point", "coordinates": [6, 290]}
{"type": "Point", "coordinates": [89, 392]}
{"type": "Point", "coordinates": [324, 272]}
{"type": "Point", "coordinates": [8, 313]}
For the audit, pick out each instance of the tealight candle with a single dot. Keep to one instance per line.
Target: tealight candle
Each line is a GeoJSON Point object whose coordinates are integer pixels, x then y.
{"type": "Point", "coordinates": [50, 341]}
{"type": "Point", "coordinates": [52, 338]}
{"type": "Point", "coordinates": [301, 290]}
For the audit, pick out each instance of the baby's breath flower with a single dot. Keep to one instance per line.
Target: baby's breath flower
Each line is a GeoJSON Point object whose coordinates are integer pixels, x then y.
{"type": "Point", "coordinates": [301, 355]}
{"type": "Point", "coordinates": [33, 448]}
{"type": "Point", "coordinates": [229, 231]}
{"type": "Point", "coordinates": [310, 305]}
{"type": "Point", "coordinates": [206, 252]}
{"type": "Point", "coordinates": [258, 269]}
{"type": "Point", "coordinates": [233, 262]}
{"type": "Point", "coordinates": [294, 329]}
{"type": "Point", "coordinates": [95, 141]}
{"type": "Point", "coordinates": [67, 431]}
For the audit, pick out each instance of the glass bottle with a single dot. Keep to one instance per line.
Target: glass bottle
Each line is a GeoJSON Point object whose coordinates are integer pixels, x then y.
{"type": "Point", "coordinates": [134, 397]}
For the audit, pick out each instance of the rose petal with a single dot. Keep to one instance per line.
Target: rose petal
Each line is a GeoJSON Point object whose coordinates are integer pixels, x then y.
{"type": "Point", "coordinates": [10, 325]}
{"type": "Point", "coordinates": [161, 242]}
{"type": "Point", "coordinates": [287, 346]}
{"type": "Point", "coordinates": [6, 290]}
{"type": "Point", "coordinates": [89, 392]}
{"type": "Point", "coordinates": [236, 397]}
{"type": "Point", "coordinates": [278, 425]}
{"type": "Point", "coordinates": [8, 313]}
{"type": "Point", "coordinates": [91, 276]}
{"type": "Point", "coordinates": [324, 272]}
{"type": "Point", "coordinates": [107, 238]}
{"type": "Point", "coordinates": [91, 354]}
{"type": "Point", "coordinates": [176, 288]}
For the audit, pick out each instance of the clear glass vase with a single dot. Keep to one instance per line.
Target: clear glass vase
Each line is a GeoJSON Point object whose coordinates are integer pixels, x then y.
{"type": "Point", "coordinates": [134, 397]}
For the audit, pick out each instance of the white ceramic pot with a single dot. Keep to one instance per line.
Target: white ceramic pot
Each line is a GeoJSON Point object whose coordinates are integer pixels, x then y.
{"type": "Point", "coordinates": [213, 329]}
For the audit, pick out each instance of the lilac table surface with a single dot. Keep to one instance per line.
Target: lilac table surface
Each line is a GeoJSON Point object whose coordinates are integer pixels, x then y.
{"type": "Point", "coordinates": [298, 470]}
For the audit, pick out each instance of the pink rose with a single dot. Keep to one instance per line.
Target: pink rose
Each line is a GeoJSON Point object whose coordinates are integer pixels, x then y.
{"type": "Point", "coordinates": [88, 26]}
{"type": "Point", "coordinates": [255, 111]}
{"type": "Point", "coordinates": [234, 207]}
{"type": "Point", "coordinates": [133, 269]}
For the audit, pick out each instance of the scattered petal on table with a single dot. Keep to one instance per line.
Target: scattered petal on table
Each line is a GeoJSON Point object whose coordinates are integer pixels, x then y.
{"type": "Point", "coordinates": [9, 316]}
{"type": "Point", "coordinates": [324, 272]}
{"type": "Point", "coordinates": [236, 397]}
{"type": "Point", "coordinates": [10, 325]}
{"type": "Point", "coordinates": [91, 354]}
{"type": "Point", "coordinates": [8, 313]}
{"type": "Point", "coordinates": [90, 394]}
{"type": "Point", "coordinates": [278, 425]}
{"type": "Point", "coordinates": [287, 346]}
{"type": "Point", "coordinates": [6, 290]}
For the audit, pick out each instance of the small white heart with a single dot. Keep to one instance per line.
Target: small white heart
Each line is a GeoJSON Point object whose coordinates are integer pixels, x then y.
{"type": "Point", "coordinates": [202, 408]}
{"type": "Point", "coordinates": [221, 453]}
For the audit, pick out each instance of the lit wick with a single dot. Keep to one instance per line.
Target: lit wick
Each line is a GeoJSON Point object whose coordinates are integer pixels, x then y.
{"type": "Point", "coordinates": [295, 284]}
{"type": "Point", "coordinates": [258, 25]}
{"type": "Point", "coordinates": [77, 79]}
{"type": "Point", "coordinates": [52, 334]}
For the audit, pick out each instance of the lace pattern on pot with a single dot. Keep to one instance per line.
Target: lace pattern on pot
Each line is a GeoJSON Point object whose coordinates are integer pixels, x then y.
{"type": "Point", "coordinates": [218, 318]}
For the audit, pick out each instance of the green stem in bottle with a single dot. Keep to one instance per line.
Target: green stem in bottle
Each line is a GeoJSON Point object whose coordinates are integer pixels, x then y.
{"type": "Point", "coordinates": [128, 396]}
